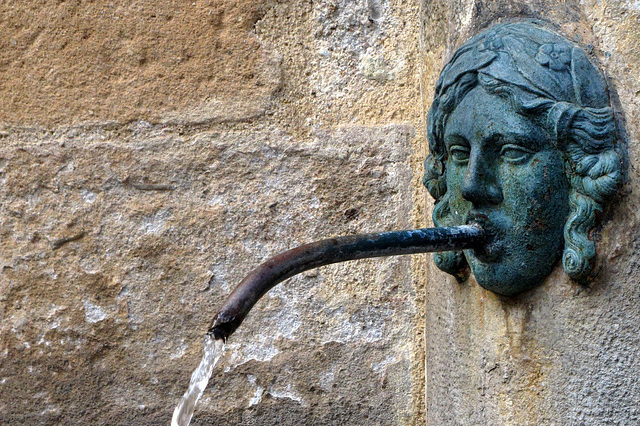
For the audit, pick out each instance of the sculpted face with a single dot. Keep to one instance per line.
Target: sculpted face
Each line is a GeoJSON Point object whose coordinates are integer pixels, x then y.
{"type": "Point", "coordinates": [505, 174]}
{"type": "Point", "coordinates": [523, 141]}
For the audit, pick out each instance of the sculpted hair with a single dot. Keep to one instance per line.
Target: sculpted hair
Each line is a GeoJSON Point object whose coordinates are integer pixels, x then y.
{"type": "Point", "coordinates": [585, 136]}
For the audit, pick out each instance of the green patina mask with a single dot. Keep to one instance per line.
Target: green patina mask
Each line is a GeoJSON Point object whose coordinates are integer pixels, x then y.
{"type": "Point", "coordinates": [522, 141]}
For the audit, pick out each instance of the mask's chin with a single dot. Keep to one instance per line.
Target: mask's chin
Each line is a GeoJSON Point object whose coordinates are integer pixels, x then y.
{"type": "Point", "coordinates": [508, 274]}
{"type": "Point", "coordinates": [497, 277]}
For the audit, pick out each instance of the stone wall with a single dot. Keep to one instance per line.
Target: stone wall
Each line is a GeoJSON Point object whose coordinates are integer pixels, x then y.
{"type": "Point", "coordinates": [560, 354]}
{"type": "Point", "coordinates": [152, 153]}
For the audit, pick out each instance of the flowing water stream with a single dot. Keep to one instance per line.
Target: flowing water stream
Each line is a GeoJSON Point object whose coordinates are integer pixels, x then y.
{"type": "Point", "coordinates": [213, 350]}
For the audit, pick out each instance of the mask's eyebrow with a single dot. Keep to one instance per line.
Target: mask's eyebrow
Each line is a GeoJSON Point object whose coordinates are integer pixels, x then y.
{"type": "Point", "coordinates": [454, 139]}
{"type": "Point", "coordinates": [525, 140]}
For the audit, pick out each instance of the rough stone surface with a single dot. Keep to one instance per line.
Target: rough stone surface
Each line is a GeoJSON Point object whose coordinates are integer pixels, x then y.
{"type": "Point", "coordinates": [562, 353]}
{"type": "Point", "coordinates": [82, 62]}
{"type": "Point", "coordinates": [116, 254]}
{"type": "Point", "coordinates": [152, 153]}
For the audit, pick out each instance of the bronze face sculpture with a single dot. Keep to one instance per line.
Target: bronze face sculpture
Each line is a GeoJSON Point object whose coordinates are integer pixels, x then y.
{"type": "Point", "coordinates": [522, 142]}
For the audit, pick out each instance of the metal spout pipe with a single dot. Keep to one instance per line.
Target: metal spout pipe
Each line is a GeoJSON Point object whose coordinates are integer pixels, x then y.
{"type": "Point", "coordinates": [334, 250]}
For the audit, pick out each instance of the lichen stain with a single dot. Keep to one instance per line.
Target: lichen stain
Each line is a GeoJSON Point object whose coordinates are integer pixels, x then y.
{"type": "Point", "coordinates": [523, 360]}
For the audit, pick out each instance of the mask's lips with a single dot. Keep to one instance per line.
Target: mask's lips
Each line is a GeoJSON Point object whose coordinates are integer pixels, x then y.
{"type": "Point", "coordinates": [492, 249]}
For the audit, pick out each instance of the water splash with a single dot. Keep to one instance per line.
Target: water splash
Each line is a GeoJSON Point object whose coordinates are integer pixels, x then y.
{"type": "Point", "coordinates": [213, 350]}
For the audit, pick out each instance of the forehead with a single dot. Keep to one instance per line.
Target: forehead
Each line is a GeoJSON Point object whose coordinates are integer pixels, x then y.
{"type": "Point", "coordinates": [485, 117]}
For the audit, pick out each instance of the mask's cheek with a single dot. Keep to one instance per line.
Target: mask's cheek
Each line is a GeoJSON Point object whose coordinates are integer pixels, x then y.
{"type": "Point", "coordinates": [536, 194]}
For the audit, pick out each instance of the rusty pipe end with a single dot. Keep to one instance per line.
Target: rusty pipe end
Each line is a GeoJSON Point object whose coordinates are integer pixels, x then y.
{"type": "Point", "coordinates": [223, 326]}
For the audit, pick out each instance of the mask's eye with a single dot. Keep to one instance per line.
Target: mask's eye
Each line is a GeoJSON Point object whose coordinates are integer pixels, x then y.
{"type": "Point", "coordinates": [515, 153]}
{"type": "Point", "coordinates": [459, 154]}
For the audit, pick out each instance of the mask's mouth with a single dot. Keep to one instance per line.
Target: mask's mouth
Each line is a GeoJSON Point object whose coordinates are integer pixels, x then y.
{"type": "Point", "coordinates": [493, 248]}
{"type": "Point", "coordinates": [334, 250]}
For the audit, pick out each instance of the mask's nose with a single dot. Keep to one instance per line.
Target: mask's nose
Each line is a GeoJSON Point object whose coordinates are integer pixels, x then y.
{"type": "Point", "coordinates": [480, 184]}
